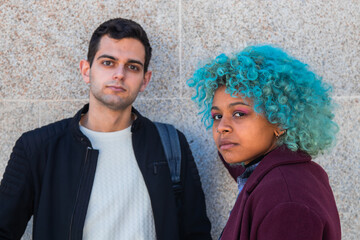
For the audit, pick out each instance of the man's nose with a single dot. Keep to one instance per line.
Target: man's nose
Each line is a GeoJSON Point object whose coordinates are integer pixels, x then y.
{"type": "Point", "coordinates": [119, 73]}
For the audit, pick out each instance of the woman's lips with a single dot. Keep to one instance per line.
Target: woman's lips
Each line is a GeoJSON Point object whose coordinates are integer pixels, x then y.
{"type": "Point", "coordinates": [225, 145]}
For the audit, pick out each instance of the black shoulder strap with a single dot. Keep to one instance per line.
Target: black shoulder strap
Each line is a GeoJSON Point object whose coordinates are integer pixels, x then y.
{"type": "Point", "coordinates": [171, 144]}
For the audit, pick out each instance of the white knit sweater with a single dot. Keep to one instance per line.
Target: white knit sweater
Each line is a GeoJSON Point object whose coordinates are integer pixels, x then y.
{"type": "Point", "coordinates": [119, 206]}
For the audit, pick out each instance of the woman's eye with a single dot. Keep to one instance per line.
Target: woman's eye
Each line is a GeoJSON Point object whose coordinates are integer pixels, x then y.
{"type": "Point", "coordinates": [216, 116]}
{"type": "Point", "coordinates": [239, 114]}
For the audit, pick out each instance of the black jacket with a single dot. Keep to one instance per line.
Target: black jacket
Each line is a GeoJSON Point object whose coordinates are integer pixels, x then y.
{"type": "Point", "coordinates": [50, 176]}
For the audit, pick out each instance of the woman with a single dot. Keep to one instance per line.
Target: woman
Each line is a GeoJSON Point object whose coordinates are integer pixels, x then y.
{"type": "Point", "coordinates": [269, 115]}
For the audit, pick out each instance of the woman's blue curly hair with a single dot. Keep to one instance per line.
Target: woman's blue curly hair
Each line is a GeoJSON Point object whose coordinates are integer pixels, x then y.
{"type": "Point", "coordinates": [283, 89]}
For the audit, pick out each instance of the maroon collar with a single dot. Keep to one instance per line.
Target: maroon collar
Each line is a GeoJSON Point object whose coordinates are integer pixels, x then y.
{"type": "Point", "coordinates": [279, 156]}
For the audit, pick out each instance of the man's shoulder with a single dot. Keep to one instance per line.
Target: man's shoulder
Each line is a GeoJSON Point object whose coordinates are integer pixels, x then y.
{"type": "Point", "coordinates": [150, 124]}
{"type": "Point", "coordinates": [48, 131]}
{"type": "Point", "coordinates": [180, 134]}
{"type": "Point", "coordinates": [144, 121]}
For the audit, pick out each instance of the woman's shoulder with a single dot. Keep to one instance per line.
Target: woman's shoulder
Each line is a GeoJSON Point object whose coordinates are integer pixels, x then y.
{"type": "Point", "coordinates": [295, 179]}
{"type": "Point", "coordinates": [303, 184]}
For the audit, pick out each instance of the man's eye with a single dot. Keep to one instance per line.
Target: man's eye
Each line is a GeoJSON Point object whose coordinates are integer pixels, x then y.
{"type": "Point", "coordinates": [133, 67]}
{"type": "Point", "coordinates": [107, 63]}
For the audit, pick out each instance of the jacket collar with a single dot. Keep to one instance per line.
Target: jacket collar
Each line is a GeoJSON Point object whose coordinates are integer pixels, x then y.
{"type": "Point", "coordinates": [278, 157]}
{"type": "Point", "coordinates": [74, 125]}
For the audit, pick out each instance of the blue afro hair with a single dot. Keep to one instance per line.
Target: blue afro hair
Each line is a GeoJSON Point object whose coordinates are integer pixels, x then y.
{"type": "Point", "coordinates": [283, 89]}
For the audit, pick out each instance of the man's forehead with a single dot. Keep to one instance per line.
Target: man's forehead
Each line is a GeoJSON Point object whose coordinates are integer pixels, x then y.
{"type": "Point", "coordinates": [130, 47]}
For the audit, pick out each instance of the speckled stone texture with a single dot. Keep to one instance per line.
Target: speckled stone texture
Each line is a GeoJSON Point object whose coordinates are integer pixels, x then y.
{"type": "Point", "coordinates": [42, 42]}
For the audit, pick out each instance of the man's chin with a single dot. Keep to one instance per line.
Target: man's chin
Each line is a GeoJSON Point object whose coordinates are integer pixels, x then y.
{"type": "Point", "coordinates": [116, 104]}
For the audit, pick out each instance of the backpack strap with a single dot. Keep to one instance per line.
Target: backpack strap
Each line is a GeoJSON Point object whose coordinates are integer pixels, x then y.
{"type": "Point", "coordinates": [170, 141]}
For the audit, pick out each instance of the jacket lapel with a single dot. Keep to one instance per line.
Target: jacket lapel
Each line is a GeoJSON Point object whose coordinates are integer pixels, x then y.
{"type": "Point", "coordinates": [279, 156]}
{"type": "Point", "coordinates": [151, 160]}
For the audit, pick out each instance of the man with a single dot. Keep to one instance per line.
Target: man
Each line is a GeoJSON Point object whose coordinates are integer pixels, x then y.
{"type": "Point", "coordinates": [103, 173]}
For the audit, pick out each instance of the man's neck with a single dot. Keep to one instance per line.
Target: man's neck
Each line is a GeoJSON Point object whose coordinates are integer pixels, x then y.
{"type": "Point", "coordinates": [103, 119]}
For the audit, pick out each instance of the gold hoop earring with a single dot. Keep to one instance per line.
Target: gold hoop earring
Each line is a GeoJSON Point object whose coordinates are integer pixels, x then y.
{"type": "Point", "coordinates": [277, 135]}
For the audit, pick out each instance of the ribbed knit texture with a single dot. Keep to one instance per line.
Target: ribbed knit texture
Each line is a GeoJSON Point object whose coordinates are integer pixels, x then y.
{"type": "Point", "coordinates": [119, 206]}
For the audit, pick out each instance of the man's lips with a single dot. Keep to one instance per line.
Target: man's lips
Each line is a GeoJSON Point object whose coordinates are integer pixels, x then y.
{"type": "Point", "coordinates": [116, 88]}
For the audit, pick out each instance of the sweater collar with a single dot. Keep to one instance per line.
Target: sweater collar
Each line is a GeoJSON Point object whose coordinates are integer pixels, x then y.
{"type": "Point", "coordinates": [279, 156]}
{"type": "Point", "coordinates": [82, 138]}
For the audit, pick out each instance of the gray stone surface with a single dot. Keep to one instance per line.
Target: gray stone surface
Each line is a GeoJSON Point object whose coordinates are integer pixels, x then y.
{"type": "Point", "coordinates": [343, 167]}
{"type": "Point", "coordinates": [324, 34]}
{"type": "Point", "coordinates": [15, 118]}
{"type": "Point", "coordinates": [55, 111]}
{"type": "Point", "coordinates": [42, 42]}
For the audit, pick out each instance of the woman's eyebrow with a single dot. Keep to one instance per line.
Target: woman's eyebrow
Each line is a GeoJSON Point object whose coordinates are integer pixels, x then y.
{"type": "Point", "coordinates": [231, 105]}
{"type": "Point", "coordinates": [238, 103]}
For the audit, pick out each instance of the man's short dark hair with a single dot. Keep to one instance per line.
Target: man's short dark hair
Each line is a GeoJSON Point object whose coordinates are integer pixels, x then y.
{"type": "Point", "coordinates": [119, 28]}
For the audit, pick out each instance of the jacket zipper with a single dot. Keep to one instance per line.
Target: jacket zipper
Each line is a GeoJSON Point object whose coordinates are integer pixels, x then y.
{"type": "Point", "coordinates": [78, 191]}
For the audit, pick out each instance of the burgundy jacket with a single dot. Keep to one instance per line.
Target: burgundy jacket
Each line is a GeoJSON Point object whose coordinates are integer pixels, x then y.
{"type": "Point", "coordinates": [287, 197]}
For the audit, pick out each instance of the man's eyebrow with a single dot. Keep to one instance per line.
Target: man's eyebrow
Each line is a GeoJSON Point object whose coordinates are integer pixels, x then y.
{"type": "Point", "coordinates": [231, 105]}
{"type": "Point", "coordinates": [107, 56]}
{"type": "Point", "coordinates": [136, 61]}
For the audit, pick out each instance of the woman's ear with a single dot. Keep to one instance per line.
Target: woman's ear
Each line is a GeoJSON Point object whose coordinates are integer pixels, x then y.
{"type": "Point", "coordinates": [279, 132]}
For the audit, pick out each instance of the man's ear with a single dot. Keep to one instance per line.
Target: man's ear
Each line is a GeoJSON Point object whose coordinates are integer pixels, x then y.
{"type": "Point", "coordinates": [85, 70]}
{"type": "Point", "coordinates": [146, 80]}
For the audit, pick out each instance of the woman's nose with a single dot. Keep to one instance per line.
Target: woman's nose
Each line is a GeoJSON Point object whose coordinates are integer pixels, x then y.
{"type": "Point", "coordinates": [224, 126]}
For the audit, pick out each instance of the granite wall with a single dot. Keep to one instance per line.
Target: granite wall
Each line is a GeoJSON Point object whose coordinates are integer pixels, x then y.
{"type": "Point", "coordinates": [42, 42]}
